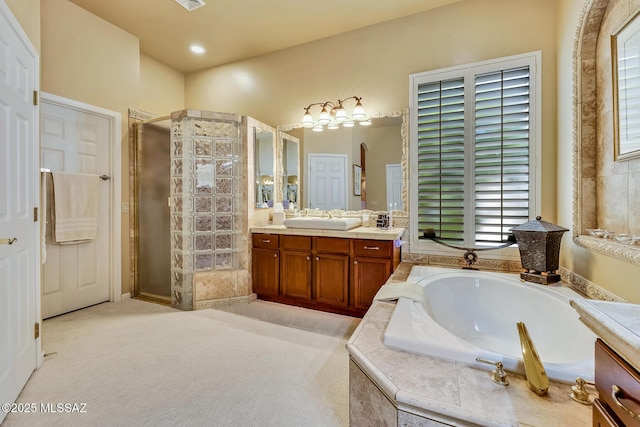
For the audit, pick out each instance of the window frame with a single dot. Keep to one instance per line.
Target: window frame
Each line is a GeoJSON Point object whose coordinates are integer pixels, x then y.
{"type": "Point", "coordinates": [469, 71]}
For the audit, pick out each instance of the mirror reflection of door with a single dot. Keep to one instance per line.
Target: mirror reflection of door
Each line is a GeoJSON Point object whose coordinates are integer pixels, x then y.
{"type": "Point", "coordinates": [327, 181]}
{"type": "Point", "coordinates": [394, 186]}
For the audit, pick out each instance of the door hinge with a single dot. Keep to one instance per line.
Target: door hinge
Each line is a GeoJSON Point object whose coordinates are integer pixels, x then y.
{"type": "Point", "coordinates": [36, 331]}
{"type": "Point", "coordinates": [35, 214]}
{"type": "Point", "coordinates": [36, 97]}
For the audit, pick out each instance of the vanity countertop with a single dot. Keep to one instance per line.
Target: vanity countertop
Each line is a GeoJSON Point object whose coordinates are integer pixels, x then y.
{"type": "Point", "coordinates": [372, 233]}
{"type": "Point", "coordinates": [425, 385]}
{"type": "Point", "coordinates": [616, 323]}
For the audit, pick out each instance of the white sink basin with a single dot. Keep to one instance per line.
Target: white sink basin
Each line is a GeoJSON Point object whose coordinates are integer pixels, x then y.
{"type": "Point", "coordinates": [322, 223]}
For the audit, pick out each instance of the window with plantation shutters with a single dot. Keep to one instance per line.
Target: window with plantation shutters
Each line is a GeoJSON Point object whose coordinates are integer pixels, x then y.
{"type": "Point", "coordinates": [473, 134]}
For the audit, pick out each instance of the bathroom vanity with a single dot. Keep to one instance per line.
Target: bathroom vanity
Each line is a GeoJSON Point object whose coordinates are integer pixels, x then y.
{"type": "Point", "coordinates": [617, 354]}
{"type": "Point", "coordinates": [329, 270]}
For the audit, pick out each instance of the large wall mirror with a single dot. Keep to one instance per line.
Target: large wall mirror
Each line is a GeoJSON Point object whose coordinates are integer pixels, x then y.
{"type": "Point", "coordinates": [264, 158]}
{"type": "Point", "coordinates": [380, 151]}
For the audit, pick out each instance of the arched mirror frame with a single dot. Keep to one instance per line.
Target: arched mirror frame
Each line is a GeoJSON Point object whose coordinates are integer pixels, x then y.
{"type": "Point", "coordinates": [401, 218]}
{"type": "Point", "coordinates": [584, 136]}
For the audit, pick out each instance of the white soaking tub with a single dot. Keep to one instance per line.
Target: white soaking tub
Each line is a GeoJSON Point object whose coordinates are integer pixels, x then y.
{"type": "Point", "coordinates": [467, 314]}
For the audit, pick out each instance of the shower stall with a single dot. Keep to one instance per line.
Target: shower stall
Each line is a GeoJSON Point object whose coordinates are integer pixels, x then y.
{"type": "Point", "coordinates": [152, 255]}
{"type": "Point", "coordinates": [190, 216]}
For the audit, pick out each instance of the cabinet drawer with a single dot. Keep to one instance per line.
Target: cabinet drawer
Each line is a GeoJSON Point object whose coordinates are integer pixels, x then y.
{"type": "Point", "coordinates": [602, 418]}
{"type": "Point", "coordinates": [296, 243]}
{"type": "Point", "coordinates": [266, 241]}
{"type": "Point", "coordinates": [333, 245]}
{"type": "Point", "coordinates": [373, 248]}
{"type": "Point", "coordinates": [612, 371]}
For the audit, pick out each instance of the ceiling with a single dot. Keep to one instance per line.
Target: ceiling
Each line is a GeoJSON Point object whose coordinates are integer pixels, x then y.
{"type": "Point", "coordinates": [232, 30]}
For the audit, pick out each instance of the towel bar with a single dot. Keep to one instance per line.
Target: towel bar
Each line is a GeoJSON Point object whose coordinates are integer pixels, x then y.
{"type": "Point", "coordinates": [102, 177]}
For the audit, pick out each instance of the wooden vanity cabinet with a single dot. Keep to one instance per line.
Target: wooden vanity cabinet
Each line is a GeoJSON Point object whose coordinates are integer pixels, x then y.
{"type": "Point", "coordinates": [332, 271]}
{"type": "Point", "coordinates": [611, 370]}
{"type": "Point", "coordinates": [265, 264]}
{"type": "Point", "coordinates": [295, 274]}
{"type": "Point", "coordinates": [373, 263]}
{"type": "Point", "coordinates": [333, 274]}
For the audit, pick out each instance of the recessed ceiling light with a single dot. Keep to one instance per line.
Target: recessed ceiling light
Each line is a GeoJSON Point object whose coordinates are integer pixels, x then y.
{"type": "Point", "coordinates": [191, 5]}
{"type": "Point", "coordinates": [199, 50]}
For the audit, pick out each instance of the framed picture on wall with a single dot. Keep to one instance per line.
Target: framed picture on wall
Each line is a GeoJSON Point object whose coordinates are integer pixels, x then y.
{"type": "Point", "coordinates": [357, 180]}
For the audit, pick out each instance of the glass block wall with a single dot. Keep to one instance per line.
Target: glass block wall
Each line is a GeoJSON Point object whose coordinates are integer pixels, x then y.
{"type": "Point", "coordinates": [207, 214]}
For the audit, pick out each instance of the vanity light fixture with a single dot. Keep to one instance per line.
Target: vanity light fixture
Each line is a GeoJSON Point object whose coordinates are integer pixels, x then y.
{"type": "Point", "coordinates": [333, 114]}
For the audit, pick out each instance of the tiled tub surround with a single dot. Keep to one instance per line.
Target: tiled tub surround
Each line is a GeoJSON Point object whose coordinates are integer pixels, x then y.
{"type": "Point", "coordinates": [391, 388]}
{"type": "Point", "coordinates": [410, 389]}
{"type": "Point", "coordinates": [208, 217]}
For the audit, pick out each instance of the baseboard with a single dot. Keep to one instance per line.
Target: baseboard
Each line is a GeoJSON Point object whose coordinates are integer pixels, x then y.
{"type": "Point", "coordinates": [126, 296]}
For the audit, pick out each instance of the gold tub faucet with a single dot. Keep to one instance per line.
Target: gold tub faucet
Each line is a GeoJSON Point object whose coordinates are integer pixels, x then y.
{"type": "Point", "coordinates": [536, 375]}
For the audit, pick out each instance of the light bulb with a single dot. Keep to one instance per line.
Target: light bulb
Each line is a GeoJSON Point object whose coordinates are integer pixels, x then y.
{"type": "Point", "coordinates": [341, 114]}
{"type": "Point", "coordinates": [333, 125]}
{"type": "Point", "coordinates": [358, 112]}
{"type": "Point", "coordinates": [348, 124]}
{"type": "Point", "coordinates": [365, 122]}
{"type": "Point", "coordinates": [317, 128]}
{"type": "Point", "coordinates": [307, 120]}
{"type": "Point", "coordinates": [325, 117]}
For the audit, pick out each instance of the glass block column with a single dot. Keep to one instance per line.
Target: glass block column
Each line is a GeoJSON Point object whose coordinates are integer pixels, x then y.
{"type": "Point", "coordinates": [207, 178]}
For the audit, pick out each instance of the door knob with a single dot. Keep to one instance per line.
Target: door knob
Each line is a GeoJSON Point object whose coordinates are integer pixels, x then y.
{"type": "Point", "coordinates": [8, 241]}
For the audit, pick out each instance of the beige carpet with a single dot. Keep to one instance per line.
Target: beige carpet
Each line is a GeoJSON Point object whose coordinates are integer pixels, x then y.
{"type": "Point", "coordinates": [140, 364]}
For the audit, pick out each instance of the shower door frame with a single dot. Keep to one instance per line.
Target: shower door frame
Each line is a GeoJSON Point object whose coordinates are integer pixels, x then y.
{"type": "Point", "coordinates": [136, 120]}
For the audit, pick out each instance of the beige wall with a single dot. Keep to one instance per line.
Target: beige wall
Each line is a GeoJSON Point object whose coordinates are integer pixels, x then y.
{"type": "Point", "coordinates": [161, 87]}
{"type": "Point", "coordinates": [375, 63]}
{"type": "Point", "coordinates": [27, 12]}
{"type": "Point", "coordinates": [90, 60]}
{"type": "Point", "coordinates": [385, 147]}
{"type": "Point", "coordinates": [617, 276]}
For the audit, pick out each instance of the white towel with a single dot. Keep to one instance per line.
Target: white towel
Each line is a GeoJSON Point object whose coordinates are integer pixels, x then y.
{"type": "Point", "coordinates": [391, 291]}
{"type": "Point", "coordinates": [75, 207]}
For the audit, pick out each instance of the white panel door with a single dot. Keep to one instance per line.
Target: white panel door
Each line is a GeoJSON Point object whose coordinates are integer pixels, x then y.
{"type": "Point", "coordinates": [76, 276]}
{"type": "Point", "coordinates": [18, 196]}
{"type": "Point", "coordinates": [394, 186]}
{"type": "Point", "coordinates": [327, 181]}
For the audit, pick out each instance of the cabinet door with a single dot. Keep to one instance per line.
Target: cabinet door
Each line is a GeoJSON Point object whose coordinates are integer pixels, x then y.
{"type": "Point", "coordinates": [295, 275]}
{"type": "Point", "coordinates": [369, 274]}
{"type": "Point", "coordinates": [332, 279]}
{"type": "Point", "coordinates": [265, 270]}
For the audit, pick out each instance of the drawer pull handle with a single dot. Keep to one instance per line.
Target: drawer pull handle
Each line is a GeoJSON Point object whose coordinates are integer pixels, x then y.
{"type": "Point", "coordinates": [372, 248]}
{"type": "Point", "coordinates": [275, 255]}
{"type": "Point", "coordinates": [308, 258]}
{"type": "Point", "coordinates": [317, 258]}
{"type": "Point", "coordinates": [615, 392]}
{"type": "Point", "coordinates": [265, 241]}
{"type": "Point", "coordinates": [355, 262]}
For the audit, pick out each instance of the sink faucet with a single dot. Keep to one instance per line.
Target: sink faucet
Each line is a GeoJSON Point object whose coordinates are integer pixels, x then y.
{"type": "Point", "coordinates": [536, 375]}
{"type": "Point", "coordinates": [329, 214]}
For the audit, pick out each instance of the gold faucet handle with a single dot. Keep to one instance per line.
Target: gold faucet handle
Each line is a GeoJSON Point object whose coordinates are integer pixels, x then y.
{"type": "Point", "coordinates": [579, 393]}
{"type": "Point", "coordinates": [499, 375]}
